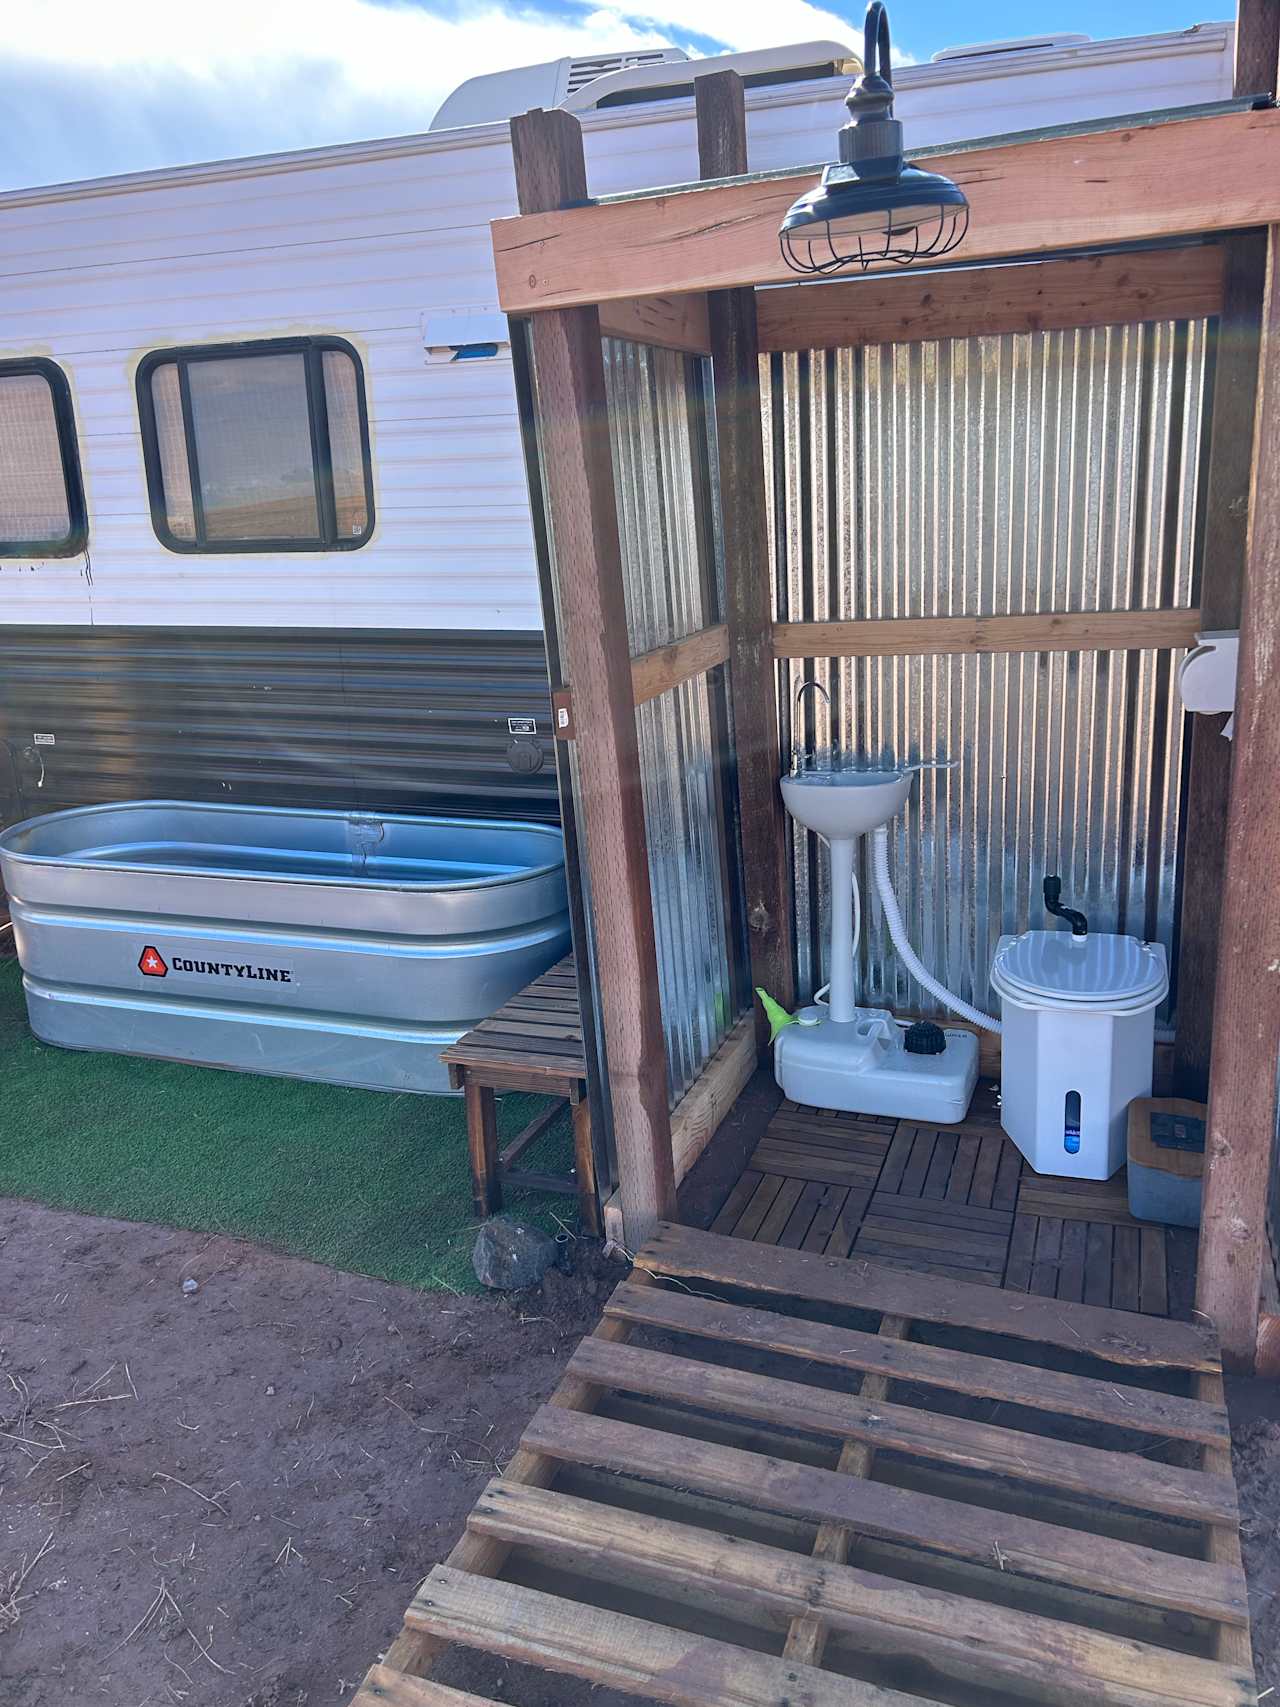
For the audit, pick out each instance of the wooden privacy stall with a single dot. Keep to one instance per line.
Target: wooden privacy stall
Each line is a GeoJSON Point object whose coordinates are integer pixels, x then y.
{"type": "Point", "coordinates": [1164, 218]}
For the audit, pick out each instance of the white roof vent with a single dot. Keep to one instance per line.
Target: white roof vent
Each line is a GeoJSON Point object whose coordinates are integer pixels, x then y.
{"type": "Point", "coordinates": [801, 62]}
{"type": "Point", "coordinates": [496, 95]}
{"type": "Point", "coordinates": [1023, 44]}
{"type": "Point", "coordinates": [584, 71]}
{"type": "Point", "coordinates": [621, 79]}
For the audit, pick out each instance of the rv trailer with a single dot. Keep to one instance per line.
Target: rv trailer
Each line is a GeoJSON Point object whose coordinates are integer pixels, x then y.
{"type": "Point", "coordinates": [265, 535]}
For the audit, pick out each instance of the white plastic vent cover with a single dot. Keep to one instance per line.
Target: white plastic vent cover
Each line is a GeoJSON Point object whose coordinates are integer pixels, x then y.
{"type": "Point", "coordinates": [584, 71]}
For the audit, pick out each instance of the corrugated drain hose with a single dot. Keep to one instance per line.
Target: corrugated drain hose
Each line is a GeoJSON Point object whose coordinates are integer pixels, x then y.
{"type": "Point", "coordinates": [898, 931]}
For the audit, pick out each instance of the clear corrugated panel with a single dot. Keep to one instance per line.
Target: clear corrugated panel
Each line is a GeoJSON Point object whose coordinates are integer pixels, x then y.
{"type": "Point", "coordinates": [670, 573]}
{"type": "Point", "coordinates": [1038, 472]}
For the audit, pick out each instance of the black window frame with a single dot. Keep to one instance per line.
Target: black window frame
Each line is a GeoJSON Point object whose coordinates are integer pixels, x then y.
{"type": "Point", "coordinates": [65, 423]}
{"type": "Point", "coordinates": [322, 465]}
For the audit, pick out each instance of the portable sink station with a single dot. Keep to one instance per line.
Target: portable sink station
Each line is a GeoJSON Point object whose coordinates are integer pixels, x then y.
{"type": "Point", "coordinates": [1077, 1006]}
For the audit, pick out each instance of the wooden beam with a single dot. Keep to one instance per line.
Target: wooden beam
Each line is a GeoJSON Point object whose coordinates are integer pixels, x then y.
{"type": "Point", "coordinates": [927, 636]}
{"type": "Point", "coordinates": [671, 322]}
{"type": "Point", "coordinates": [696, 1117]}
{"type": "Point", "coordinates": [654, 673]}
{"type": "Point", "coordinates": [1246, 1028]}
{"type": "Point", "coordinates": [722, 148]}
{"type": "Point", "coordinates": [1134, 183]}
{"type": "Point", "coordinates": [1235, 389]}
{"type": "Point", "coordinates": [573, 415]}
{"type": "Point", "coordinates": [1093, 290]}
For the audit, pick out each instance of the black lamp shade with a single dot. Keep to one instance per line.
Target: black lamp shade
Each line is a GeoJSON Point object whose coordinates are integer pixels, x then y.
{"type": "Point", "coordinates": [847, 221]}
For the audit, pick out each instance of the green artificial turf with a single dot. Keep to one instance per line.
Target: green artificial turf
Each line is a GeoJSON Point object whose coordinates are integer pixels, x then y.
{"type": "Point", "coordinates": [362, 1180]}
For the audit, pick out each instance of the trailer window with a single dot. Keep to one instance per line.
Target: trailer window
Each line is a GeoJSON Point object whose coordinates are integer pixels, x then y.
{"type": "Point", "coordinates": [41, 496]}
{"type": "Point", "coordinates": [257, 447]}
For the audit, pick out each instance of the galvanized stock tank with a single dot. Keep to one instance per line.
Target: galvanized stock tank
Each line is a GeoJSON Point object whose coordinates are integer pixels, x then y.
{"type": "Point", "coordinates": [344, 947]}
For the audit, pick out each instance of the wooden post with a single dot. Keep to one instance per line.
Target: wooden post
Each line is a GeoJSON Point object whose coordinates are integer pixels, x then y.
{"type": "Point", "coordinates": [735, 354]}
{"type": "Point", "coordinates": [1246, 1030]}
{"type": "Point", "coordinates": [1235, 387]}
{"type": "Point", "coordinates": [1257, 47]}
{"type": "Point", "coordinates": [573, 417]}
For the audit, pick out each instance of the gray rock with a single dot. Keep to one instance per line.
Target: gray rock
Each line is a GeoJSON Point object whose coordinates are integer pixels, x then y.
{"type": "Point", "coordinates": [508, 1254]}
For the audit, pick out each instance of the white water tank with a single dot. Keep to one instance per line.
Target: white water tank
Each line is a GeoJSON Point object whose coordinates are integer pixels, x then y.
{"type": "Point", "coordinates": [1078, 1043]}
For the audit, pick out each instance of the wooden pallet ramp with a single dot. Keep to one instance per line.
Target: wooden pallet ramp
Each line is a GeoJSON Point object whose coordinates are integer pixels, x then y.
{"type": "Point", "coordinates": [771, 1476]}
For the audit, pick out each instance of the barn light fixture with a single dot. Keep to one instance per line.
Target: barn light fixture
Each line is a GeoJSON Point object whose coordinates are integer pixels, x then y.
{"type": "Point", "coordinates": [871, 206]}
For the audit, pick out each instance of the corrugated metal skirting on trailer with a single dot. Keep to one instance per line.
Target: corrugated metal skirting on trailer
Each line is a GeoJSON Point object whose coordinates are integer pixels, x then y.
{"type": "Point", "coordinates": [672, 575]}
{"type": "Point", "coordinates": [392, 722]}
{"type": "Point", "coordinates": [994, 475]}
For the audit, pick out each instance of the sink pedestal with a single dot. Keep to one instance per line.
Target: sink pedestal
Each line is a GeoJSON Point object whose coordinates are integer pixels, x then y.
{"type": "Point", "coordinates": [852, 1058]}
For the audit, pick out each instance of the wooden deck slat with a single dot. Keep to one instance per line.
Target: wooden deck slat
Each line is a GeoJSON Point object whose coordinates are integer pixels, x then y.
{"type": "Point", "coordinates": [930, 1258]}
{"type": "Point", "coordinates": [830, 1209]}
{"type": "Point", "coordinates": [779, 1211]}
{"type": "Point", "coordinates": [962, 1168]}
{"type": "Point", "coordinates": [861, 1285]}
{"type": "Point", "coordinates": [948, 1271]}
{"type": "Point", "coordinates": [1071, 1268]}
{"type": "Point", "coordinates": [624, 1652]}
{"type": "Point", "coordinates": [1097, 1263]}
{"type": "Point", "coordinates": [802, 1216]}
{"type": "Point", "coordinates": [1152, 1281]}
{"type": "Point", "coordinates": [1045, 1260]}
{"type": "Point", "coordinates": [602, 1540]}
{"type": "Point", "coordinates": [748, 1223]}
{"type": "Point", "coordinates": [922, 1211]}
{"type": "Point", "coordinates": [1124, 1479]}
{"type": "Point", "coordinates": [922, 1148]}
{"type": "Point", "coordinates": [899, 1229]}
{"type": "Point", "coordinates": [985, 1169]}
{"type": "Point", "coordinates": [980, 1534]}
{"type": "Point", "coordinates": [736, 1202]}
{"type": "Point", "coordinates": [538, 1032]}
{"type": "Point", "coordinates": [384, 1686]}
{"type": "Point", "coordinates": [896, 1158]}
{"type": "Point", "coordinates": [1125, 1274]}
{"type": "Point", "coordinates": [1106, 1402]}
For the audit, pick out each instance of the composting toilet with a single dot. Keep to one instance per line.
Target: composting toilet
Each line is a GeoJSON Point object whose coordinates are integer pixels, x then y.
{"type": "Point", "coordinates": [1078, 1043]}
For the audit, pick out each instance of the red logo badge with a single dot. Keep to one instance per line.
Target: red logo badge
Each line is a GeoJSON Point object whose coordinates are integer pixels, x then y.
{"type": "Point", "coordinates": [152, 963]}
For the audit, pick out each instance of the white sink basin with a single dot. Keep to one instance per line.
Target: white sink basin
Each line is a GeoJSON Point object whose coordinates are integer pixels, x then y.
{"type": "Point", "coordinates": [845, 803]}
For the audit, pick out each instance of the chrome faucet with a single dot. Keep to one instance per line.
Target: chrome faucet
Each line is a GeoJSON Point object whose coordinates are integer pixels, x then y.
{"type": "Point", "coordinates": [801, 689]}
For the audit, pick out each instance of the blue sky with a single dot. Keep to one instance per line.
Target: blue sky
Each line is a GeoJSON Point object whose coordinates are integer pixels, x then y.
{"type": "Point", "coordinates": [93, 87]}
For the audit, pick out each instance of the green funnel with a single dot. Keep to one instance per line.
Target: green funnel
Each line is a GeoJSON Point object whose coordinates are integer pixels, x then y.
{"type": "Point", "coordinates": [775, 1013]}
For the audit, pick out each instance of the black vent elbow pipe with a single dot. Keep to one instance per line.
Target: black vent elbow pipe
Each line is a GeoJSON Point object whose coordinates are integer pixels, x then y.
{"type": "Point", "coordinates": [1053, 904]}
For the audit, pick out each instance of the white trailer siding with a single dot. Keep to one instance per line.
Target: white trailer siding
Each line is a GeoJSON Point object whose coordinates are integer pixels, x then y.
{"type": "Point", "coordinates": [362, 242]}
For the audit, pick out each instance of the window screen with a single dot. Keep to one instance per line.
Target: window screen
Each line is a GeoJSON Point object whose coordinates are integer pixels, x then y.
{"type": "Point", "coordinates": [41, 498]}
{"type": "Point", "coordinates": [257, 447]}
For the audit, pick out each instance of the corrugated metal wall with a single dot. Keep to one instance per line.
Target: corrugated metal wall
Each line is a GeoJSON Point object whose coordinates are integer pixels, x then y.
{"type": "Point", "coordinates": [395, 722]}
{"type": "Point", "coordinates": [993, 475]}
{"type": "Point", "coordinates": [672, 576]}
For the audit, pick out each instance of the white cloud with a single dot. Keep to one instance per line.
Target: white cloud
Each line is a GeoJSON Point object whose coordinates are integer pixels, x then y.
{"type": "Point", "coordinates": [88, 89]}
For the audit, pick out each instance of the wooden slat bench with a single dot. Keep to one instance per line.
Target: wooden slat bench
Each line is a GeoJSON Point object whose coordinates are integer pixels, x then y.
{"type": "Point", "coordinates": [762, 1481]}
{"type": "Point", "coordinates": [533, 1043]}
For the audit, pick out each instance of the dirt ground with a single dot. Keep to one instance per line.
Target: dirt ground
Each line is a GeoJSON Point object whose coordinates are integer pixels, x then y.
{"type": "Point", "coordinates": [225, 1498]}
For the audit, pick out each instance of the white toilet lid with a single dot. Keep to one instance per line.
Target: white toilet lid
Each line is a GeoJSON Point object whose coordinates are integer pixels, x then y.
{"type": "Point", "coordinates": [1096, 969]}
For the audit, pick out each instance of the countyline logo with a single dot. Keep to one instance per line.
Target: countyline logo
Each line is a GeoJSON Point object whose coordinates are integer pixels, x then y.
{"type": "Point", "coordinates": [153, 964]}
